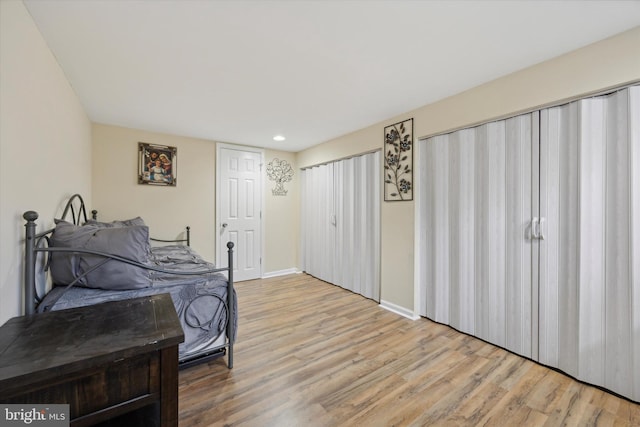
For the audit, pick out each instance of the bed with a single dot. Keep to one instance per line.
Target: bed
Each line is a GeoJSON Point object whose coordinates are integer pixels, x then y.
{"type": "Point", "coordinates": [90, 262]}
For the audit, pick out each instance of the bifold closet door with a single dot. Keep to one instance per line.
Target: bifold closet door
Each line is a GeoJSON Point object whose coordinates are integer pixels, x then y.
{"type": "Point", "coordinates": [478, 205]}
{"type": "Point", "coordinates": [590, 258]}
{"type": "Point", "coordinates": [340, 226]}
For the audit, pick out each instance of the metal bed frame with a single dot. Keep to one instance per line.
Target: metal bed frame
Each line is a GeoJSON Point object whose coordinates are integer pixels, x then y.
{"type": "Point", "coordinates": [36, 243]}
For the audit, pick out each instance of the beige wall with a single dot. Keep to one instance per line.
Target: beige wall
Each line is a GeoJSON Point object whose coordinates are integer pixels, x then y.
{"type": "Point", "coordinates": [45, 143]}
{"type": "Point", "coordinates": [605, 64]}
{"type": "Point", "coordinates": [167, 210]}
{"type": "Point", "coordinates": [282, 218]}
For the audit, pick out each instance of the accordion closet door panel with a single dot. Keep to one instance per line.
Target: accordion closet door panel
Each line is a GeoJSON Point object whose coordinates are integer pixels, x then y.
{"type": "Point", "coordinates": [530, 236]}
{"type": "Point", "coordinates": [477, 189]}
{"type": "Point", "coordinates": [590, 257]}
{"type": "Point", "coordinates": [340, 235]}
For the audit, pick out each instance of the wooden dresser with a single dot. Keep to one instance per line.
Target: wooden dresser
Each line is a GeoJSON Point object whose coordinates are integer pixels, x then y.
{"type": "Point", "coordinates": [114, 363]}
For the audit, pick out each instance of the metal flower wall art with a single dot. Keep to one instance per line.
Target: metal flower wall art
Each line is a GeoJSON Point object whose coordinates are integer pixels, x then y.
{"type": "Point", "coordinates": [398, 161]}
{"type": "Point", "coordinates": [280, 172]}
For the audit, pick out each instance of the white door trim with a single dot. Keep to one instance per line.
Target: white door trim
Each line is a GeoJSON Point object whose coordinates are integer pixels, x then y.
{"type": "Point", "coordinates": [219, 147]}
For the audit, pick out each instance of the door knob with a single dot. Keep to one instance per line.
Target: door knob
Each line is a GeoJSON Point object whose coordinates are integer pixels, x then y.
{"type": "Point", "coordinates": [224, 225]}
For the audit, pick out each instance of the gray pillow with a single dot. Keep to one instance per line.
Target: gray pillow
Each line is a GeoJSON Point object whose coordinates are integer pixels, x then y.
{"type": "Point", "coordinates": [113, 224]}
{"type": "Point", "coordinates": [131, 242]}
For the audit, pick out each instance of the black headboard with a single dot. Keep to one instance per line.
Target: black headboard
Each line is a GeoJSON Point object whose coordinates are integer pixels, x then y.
{"type": "Point", "coordinates": [76, 203]}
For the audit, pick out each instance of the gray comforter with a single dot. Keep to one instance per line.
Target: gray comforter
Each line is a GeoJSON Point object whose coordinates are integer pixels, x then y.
{"type": "Point", "coordinates": [200, 300]}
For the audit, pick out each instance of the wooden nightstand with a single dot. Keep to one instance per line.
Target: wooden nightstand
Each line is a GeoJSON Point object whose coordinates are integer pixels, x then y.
{"type": "Point", "coordinates": [114, 363]}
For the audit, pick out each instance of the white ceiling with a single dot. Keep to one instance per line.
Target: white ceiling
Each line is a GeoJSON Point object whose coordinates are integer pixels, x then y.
{"type": "Point", "coordinates": [244, 71]}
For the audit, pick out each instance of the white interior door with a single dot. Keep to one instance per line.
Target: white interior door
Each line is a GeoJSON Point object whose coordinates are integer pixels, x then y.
{"type": "Point", "coordinates": [239, 207]}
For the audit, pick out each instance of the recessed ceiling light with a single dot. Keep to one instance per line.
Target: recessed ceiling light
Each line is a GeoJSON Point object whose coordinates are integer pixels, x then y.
{"type": "Point", "coordinates": [278, 138]}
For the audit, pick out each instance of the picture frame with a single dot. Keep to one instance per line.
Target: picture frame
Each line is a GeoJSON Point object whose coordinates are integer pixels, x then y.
{"type": "Point", "coordinates": [398, 161]}
{"type": "Point", "coordinates": [157, 164]}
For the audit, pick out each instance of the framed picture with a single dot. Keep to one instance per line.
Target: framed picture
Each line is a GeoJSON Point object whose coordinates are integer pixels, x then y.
{"type": "Point", "coordinates": [157, 164]}
{"type": "Point", "coordinates": [398, 161]}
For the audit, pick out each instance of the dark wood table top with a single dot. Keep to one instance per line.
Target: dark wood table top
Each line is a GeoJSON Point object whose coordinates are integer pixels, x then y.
{"type": "Point", "coordinates": [49, 345]}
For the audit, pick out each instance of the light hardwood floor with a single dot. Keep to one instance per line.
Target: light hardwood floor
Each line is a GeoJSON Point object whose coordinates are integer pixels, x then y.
{"type": "Point", "coordinates": [311, 354]}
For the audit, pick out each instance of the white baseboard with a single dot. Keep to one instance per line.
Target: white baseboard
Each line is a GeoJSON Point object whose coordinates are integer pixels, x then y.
{"type": "Point", "coordinates": [398, 310]}
{"type": "Point", "coordinates": [280, 273]}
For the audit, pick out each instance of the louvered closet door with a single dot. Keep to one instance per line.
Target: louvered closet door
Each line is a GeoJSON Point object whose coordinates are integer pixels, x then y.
{"type": "Point", "coordinates": [477, 185]}
{"type": "Point", "coordinates": [590, 257]}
